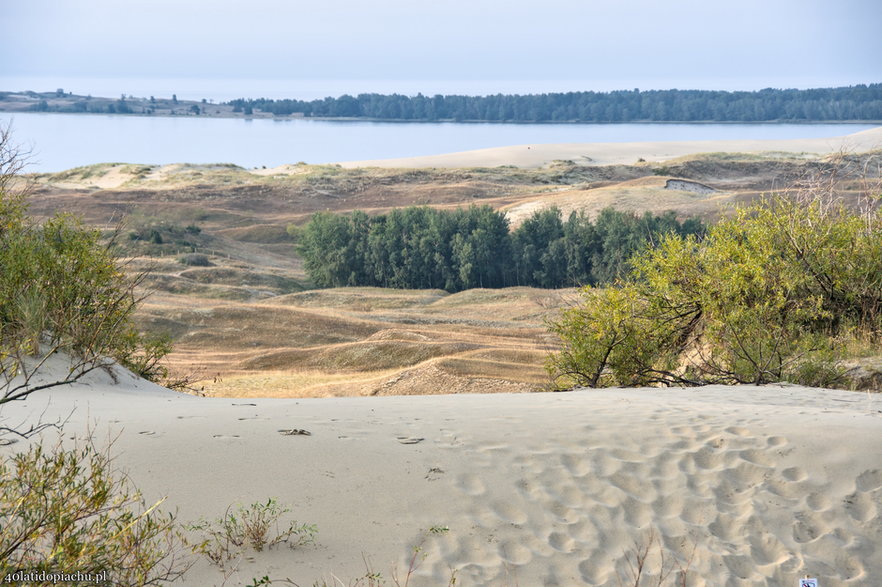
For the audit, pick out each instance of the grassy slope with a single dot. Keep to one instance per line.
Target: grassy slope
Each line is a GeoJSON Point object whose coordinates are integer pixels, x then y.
{"type": "Point", "coordinates": [248, 321]}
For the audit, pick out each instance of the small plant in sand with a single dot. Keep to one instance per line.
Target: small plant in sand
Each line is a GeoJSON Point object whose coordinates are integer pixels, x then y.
{"type": "Point", "coordinates": [257, 526]}
{"type": "Point", "coordinates": [648, 563]}
{"type": "Point", "coordinates": [67, 509]}
{"type": "Point", "coordinates": [419, 556]}
{"type": "Point", "coordinates": [372, 578]}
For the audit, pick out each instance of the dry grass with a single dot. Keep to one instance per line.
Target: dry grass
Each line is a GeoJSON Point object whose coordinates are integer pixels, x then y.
{"type": "Point", "coordinates": [355, 343]}
{"type": "Point", "coordinates": [251, 324]}
{"type": "Point", "coordinates": [301, 383]}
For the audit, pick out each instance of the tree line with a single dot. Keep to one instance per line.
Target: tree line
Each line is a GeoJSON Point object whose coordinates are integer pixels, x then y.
{"type": "Point", "coordinates": [427, 248]}
{"type": "Point", "coordinates": [124, 105]}
{"type": "Point", "coordinates": [861, 102]}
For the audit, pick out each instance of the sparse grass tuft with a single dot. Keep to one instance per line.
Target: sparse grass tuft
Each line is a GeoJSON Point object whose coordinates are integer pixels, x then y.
{"type": "Point", "coordinates": [257, 526]}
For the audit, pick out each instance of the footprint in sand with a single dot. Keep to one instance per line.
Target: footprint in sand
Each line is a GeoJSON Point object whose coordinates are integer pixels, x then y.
{"type": "Point", "coordinates": [757, 457]}
{"type": "Point", "coordinates": [471, 484]}
{"type": "Point", "coordinates": [767, 550]}
{"type": "Point", "coordinates": [776, 441]}
{"type": "Point", "coordinates": [819, 501]}
{"type": "Point", "coordinates": [794, 474]}
{"type": "Point", "coordinates": [570, 496]}
{"type": "Point", "coordinates": [561, 542]}
{"type": "Point", "coordinates": [603, 464]}
{"type": "Point", "coordinates": [668, 505]}
{"type": "Point", "coordinates": [860, 507]}
{"type": "Point", "coordinates": [594, 570]}
{"type": "Point", "coordinates": [637, 513]}
{"type": "Point", "coordinates": [790, 490]}
{"type": "Point", "coordinates": [725, 527]}
{"type": "Point", "coordinates": [632, 485]}
{"type": "Point", "coordinates": [870, 480]}
{"type": "Point", "coordinates": [708, 457]}
{"type": "Point", "coordinates": [561, 514]}
{"type": "Point", "coordinates": [508, 512]}
{"type": "Point", "coordinates": [849, 567]}
{"type": "Point", "coordinates": [807, 528]}
{"type": "Point", "coordinates": [746, 475]}
{"type": "Point", "coordinates": [514, 553]}
{"type": "Point", "coordinates": [576, 464]}
{"type": "Point", "coordinates": [740, 565]}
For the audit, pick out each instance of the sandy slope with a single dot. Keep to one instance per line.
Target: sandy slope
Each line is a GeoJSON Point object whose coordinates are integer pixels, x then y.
{"type": "Point", "coordinates": [763, 484]}
{"type": "Point", "coordinates": [627, 153]}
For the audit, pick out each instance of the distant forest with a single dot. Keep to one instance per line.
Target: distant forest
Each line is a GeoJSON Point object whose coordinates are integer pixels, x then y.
{"type": "Point", "coordinates": [862, 102]}
{"type": "Point", "coordinates": [422, 247]}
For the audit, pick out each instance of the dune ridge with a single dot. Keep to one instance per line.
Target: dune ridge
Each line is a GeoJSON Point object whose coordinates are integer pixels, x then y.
{"type": "Point", "coordinates": [626, 153]}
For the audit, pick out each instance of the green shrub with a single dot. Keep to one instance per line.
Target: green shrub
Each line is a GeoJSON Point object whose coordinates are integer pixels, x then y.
{"type": "Point", "coordinates": [764, 297]}
{"type": "Point", "coordinates": [195, 260]}
{"type": "Point", "coordinates": [62, 291]}
{"type": "Point", "coordinates": [67, 510]}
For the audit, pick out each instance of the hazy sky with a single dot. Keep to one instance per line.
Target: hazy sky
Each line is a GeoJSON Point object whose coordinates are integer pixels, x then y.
{"type": "Point", "coordinates": [737, 44]}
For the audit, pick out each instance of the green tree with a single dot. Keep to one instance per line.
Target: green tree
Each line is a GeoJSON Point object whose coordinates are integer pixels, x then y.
{"type": "Point", "coordinates": [530, 243]}
{"type": "Point", "coordinates": [764, 297]}
{"type": "Point", "coordinates": [324, 243]}
{"type": "Point", "coordinates": [61, 292]}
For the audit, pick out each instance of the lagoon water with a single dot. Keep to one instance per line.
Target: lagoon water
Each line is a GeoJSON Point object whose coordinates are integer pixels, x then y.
{"type": "Point", "coordinates": [63, 141]}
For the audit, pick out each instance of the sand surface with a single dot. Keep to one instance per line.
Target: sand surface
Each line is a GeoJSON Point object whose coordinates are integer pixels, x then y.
{"type": "Point", "coordinates": [746, 485]}
{"type": "Point", "coordinates": [628, 153]}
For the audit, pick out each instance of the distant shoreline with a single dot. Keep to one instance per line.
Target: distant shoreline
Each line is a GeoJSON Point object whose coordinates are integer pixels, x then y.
{"type": "Point", "coordinates": [269, 116]}
{"type": "Point", "coordinates": [67, 103]}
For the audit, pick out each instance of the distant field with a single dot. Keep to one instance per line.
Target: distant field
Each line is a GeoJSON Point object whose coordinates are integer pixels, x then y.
{"type": "Point", "coordinates": [361, 341]}
{"type": "Point", "coordinates": [228, 286]}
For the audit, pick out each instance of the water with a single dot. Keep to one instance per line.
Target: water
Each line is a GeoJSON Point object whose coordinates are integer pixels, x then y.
{"type": "Point", "coordinates": [63, 141]}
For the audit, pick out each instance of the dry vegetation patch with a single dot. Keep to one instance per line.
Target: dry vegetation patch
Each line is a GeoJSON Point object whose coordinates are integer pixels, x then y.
{"type": "Point", "coordinates": [229, 288]}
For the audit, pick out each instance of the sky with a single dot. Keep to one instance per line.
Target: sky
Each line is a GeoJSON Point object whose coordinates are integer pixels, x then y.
{"type": "Point", "coordinates": [440, 46]}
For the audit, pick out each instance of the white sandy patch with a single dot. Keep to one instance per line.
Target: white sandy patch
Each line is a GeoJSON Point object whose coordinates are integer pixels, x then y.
{"type": "Point", "coordinates": [627, 153]}
{"type": "Point", "coordinates": [163, 172]}
{"type": "Point", "coordinates": [101, 176]}
{"type": "Point", "coordinates": [763, 484]}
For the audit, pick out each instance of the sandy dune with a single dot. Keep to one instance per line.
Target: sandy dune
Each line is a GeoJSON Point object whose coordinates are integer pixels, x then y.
{"type": "Point", "coordinates": [627, 153]}
{"type": "Point", "coordinates": [743, 485]}
{"type": "Point", "coordinates": [754, 485]}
